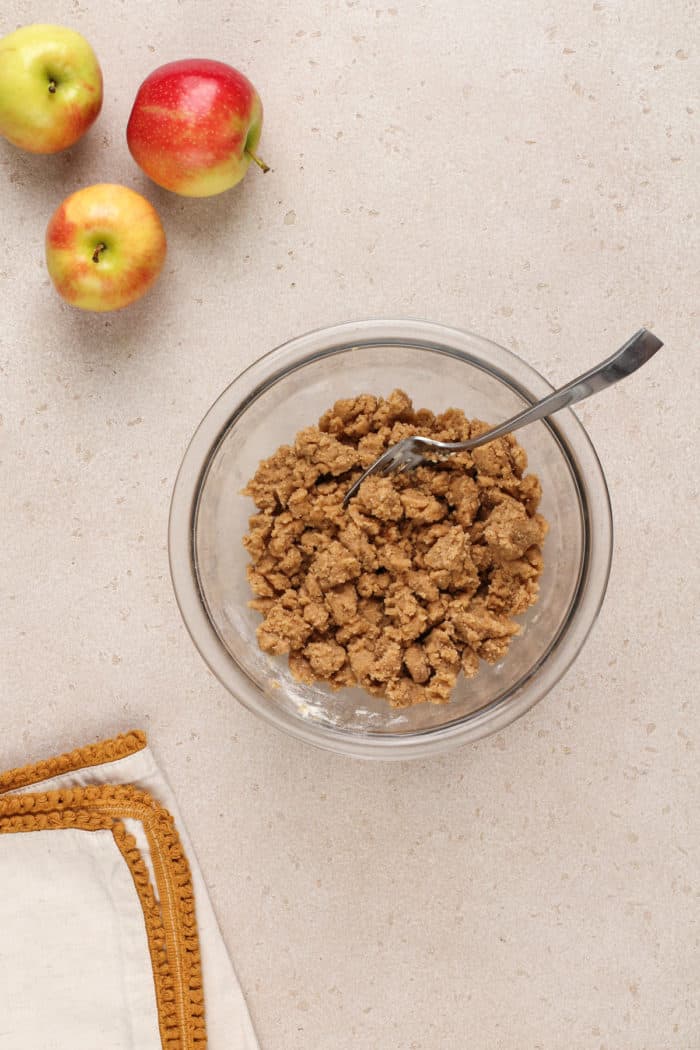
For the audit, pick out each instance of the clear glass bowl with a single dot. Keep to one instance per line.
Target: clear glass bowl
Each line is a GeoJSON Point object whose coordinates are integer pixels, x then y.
{"type": "Point", "coordinates": [288, 389]}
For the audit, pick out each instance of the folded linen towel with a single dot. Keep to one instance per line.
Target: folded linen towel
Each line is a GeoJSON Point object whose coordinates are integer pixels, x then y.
{"type": "Point", "coordinates": [107, 934]}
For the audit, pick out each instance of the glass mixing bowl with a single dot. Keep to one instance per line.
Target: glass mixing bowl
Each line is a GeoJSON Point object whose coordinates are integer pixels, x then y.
{"type": "Point", "coordinates": [287, 390]}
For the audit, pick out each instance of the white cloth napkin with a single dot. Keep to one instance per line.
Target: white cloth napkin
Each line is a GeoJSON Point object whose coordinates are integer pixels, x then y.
{"type": "Point", "coordinates": [77, 954]}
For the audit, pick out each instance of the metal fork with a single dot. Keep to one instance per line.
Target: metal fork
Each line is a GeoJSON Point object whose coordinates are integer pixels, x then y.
{"type": "Point", "coordinates": [412, 451]}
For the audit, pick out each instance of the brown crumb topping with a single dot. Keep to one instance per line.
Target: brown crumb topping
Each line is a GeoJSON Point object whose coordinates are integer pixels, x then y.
{"type": "Point", "coordinates": [419, 578]}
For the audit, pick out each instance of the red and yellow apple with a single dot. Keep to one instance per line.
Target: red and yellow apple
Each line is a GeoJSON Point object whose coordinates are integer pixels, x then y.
{"type": "Point", "coordinates": [195, 126]}
{"type": "Point", "coordinates": [105, 246]}
{"type": "Point", "coordinates": [50, 88]}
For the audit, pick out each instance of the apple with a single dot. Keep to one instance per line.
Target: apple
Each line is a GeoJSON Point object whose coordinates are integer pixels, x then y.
{"type": "Point", "coordinates": [105, 246]}
{"type": "Point", "coordinates": [195, 126]}
{"type": "Point", "coordinates": [50, 88]}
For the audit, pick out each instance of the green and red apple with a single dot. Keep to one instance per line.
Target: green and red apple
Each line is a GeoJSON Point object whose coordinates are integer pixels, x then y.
{"type": "Point", "coordinates": [50, 88]}
{"type": "Point", "coordinates": [105, 246]}
{"type": "Point", "coordinates": [195, 126]}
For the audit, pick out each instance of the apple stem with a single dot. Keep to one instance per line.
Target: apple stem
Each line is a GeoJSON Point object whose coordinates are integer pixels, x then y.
{"type": "Point", "coordinates": [98, 251]}
{"type": "Point", "coordinates": [52, 87]}
{"type": "Point", "coordinates": [260, 163]}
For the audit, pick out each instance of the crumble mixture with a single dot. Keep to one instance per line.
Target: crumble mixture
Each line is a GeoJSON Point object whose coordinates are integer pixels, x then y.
{"type": "Point", "coordinates": [423, 573]}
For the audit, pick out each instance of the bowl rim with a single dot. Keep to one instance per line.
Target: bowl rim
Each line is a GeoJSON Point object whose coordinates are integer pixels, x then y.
{"type": "Point", "coordinates": [300, 351]}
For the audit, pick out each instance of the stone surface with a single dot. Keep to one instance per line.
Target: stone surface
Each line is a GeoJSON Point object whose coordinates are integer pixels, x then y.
{"type": "Point", "coordinates": [526, 171]}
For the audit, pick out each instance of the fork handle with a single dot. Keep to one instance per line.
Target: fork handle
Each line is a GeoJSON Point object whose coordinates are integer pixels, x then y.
{"type": "Point", "coordinates": [635, 353]}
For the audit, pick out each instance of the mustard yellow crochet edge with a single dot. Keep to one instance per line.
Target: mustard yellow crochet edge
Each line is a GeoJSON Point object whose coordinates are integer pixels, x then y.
{"type": "Point", "coordinates": [170, 922]}
{"type": "Point", "coordinates": [81, 758]}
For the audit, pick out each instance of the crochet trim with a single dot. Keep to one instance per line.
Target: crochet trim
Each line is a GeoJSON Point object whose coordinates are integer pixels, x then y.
{"type": "Point", "coordinates": [170, 919]}
{"type": "Point", "coordinates": [81, 758]}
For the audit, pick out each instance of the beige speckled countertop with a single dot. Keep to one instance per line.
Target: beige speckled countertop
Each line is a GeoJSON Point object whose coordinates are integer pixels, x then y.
{"type": "Point", "coordinates": [524, 170]}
